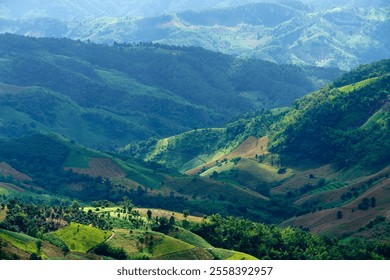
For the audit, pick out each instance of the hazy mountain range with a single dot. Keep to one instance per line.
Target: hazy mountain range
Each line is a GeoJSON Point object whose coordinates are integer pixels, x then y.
{"type": "Point", "coordinates": [320, 33]}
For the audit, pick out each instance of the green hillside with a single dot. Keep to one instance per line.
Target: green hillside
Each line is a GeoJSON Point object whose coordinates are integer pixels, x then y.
{"type": "Point", "coordinates": [340, 123]}
{"type": "Point", "coordinates": [193, 148]}
{"type": "Point", "coordinates": [61, 237]}
{"type": "Point", "coordinates": [60, 170]}
{"type": "Point", "coordinates": [329, 151]}
{"type": "Point", "coordinates": [105, 97]}
{"type": "Point", "coordinates": [80, 238]}
{"type": "Point", "coordinates": [320, 165]}
{"type": "Point", "coordinates": [336, 124]}
{"type": "Point", "coordinates": [68, 232]}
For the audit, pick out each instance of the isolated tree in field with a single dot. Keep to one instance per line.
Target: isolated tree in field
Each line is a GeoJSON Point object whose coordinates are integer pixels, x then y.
{"type": "Point", "coordinates": [186, 213]}
{"type": "Point", "coordinates": [38, 243]}
{"type": "Point", "coordinates": [172, 220]}
{"type": "Point", "coordinates": [339, 215]}
{"type": "Point", "coordinates": [214, 175]}
{"type": "Point", "coordinates": [373, 202]}
{"type": "Point", "coordinates": [75, 205]}
{"type": "Point", "coordinates": [65, 249]}
{"type": "Point", "coordinates": [127, 204]}
{"type": "Point", "coordinates": [149, 213]}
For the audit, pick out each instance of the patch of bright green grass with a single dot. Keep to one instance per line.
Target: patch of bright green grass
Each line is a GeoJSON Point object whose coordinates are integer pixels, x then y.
{"type": "Point", "coordinates": [81, 238]}
{"type": "Point", "coordinates": [3, 191]}
{"type": "Point", "coordinates": [190, 238]}
{"type": "Point", "coordinates": [200, 160]}
{"type": "Point", "coordinates": [152, 244]}
{"type": "Point", "coordinates": [329, 187]}
{"type": "Point", "coordinates": [379, 117]}
{"type": "Point", "coordinates": [140, 174]}
{"type": "Point", "coordinates": [19, 240]}
{"type": "Point", "coordinates": [352, 87]}
{"type": "Point", "coordinates": [170, 245]}
{"type": "Point", "coordinates": [224, 254]}
{"type": "Point", "coordinates": [241, 256]}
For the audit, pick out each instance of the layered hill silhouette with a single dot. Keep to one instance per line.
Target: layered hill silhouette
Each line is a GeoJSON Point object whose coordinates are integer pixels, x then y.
{"type": "Point", "coordinates": [329, 33]}
{"type": "Point", "coordinates": [103, 96]}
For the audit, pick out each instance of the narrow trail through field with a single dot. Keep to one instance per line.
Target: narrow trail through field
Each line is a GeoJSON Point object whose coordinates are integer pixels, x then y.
{"type": "Point", "coordinates": [112, 235]}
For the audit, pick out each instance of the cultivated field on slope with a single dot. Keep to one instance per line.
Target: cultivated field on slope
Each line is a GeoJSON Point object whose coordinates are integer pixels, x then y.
{"type": "Point", "coordinates": [3, 214]}
{"type": "Point", "coordinates": [21, 241]}
{"type": "Point", "coordinates": [308, 176]}
{"type": "Point", "coordinates": [81, 238]}
{"type": "Point", "coordinates": [103, 167]}
{"type": "Point", "coordinates": [7, 170]}
{"type": "Point", "coordinates": [166, 213]}
{"type": "Point", "coordinates": [148, 243]}
{"type": "Point", "coordinates": [353, 215]}
{"type": "Point", "coordinates": [249, 148]}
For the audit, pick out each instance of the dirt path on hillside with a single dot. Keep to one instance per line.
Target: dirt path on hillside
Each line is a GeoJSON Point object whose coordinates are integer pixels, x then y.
{"type": "Point", "coordinates": [112, 235]}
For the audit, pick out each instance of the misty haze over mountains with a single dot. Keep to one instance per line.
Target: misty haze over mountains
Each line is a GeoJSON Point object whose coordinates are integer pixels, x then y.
{"type": "Point", "coordinates": [73, 9]}
{"type": "Point", "coordinates": [307, 32]}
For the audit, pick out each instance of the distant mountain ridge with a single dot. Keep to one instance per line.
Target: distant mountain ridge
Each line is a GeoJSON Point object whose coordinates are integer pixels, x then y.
{"type": "Point", "coordinates": [71, 9]}
{"type": "Point", "coordinates": [341, 35]}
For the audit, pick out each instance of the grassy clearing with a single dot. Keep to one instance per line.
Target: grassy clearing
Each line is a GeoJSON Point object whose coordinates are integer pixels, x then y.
{"type": "Point", "coordinates": [119, 219]}
{"type": "Point", "coordinates": [165, 213]}
{"type": "Point", "coordinates": [3, 190]}
{"type": "Point", "coordinates": [190, 238]}
{"type": "Point", "coordinates": [201, 160]}
{"type": "Point", "coordinates": [129, 242]}
{"type": "Point", "coordinates": [77, 160]}
{"type": "Point", "coordinates": [81, 238]}
{"type": "Point", "coordinates": [223, 167]}
{"type": "Point", "coordinates": [3, 213]}
{"type": "Point", "coordinates": [352, 87]}
{"type": "Point", "coordinates": [194, 254]}
{"type": "Point", "coordinates": [329, 187]}
{"type": "Point", "coordinates": [21, 241]}
{"type": "Point", "coordinates": [223, 254]}
{"type": "Point", "coordinates": [240, 256]}
{"type": "Point", "coordinates": [169, 245]}
{"type": "Point", "coordinates": [379, 117]}
{"type": "Point", "coordinates": [155, 245]}
{"type": "Point", "coordinates": [262, 171]}
{"type": "Point", "coordinates": [139, 174]}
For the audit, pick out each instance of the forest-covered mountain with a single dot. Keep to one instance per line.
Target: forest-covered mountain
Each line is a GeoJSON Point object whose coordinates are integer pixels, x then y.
{"type": "Point", "coordinates": [341, 35]}
{"type": "Point", "coordinates": [104, 96]}
{"type": "Point", "coordinates": [346, 122]}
